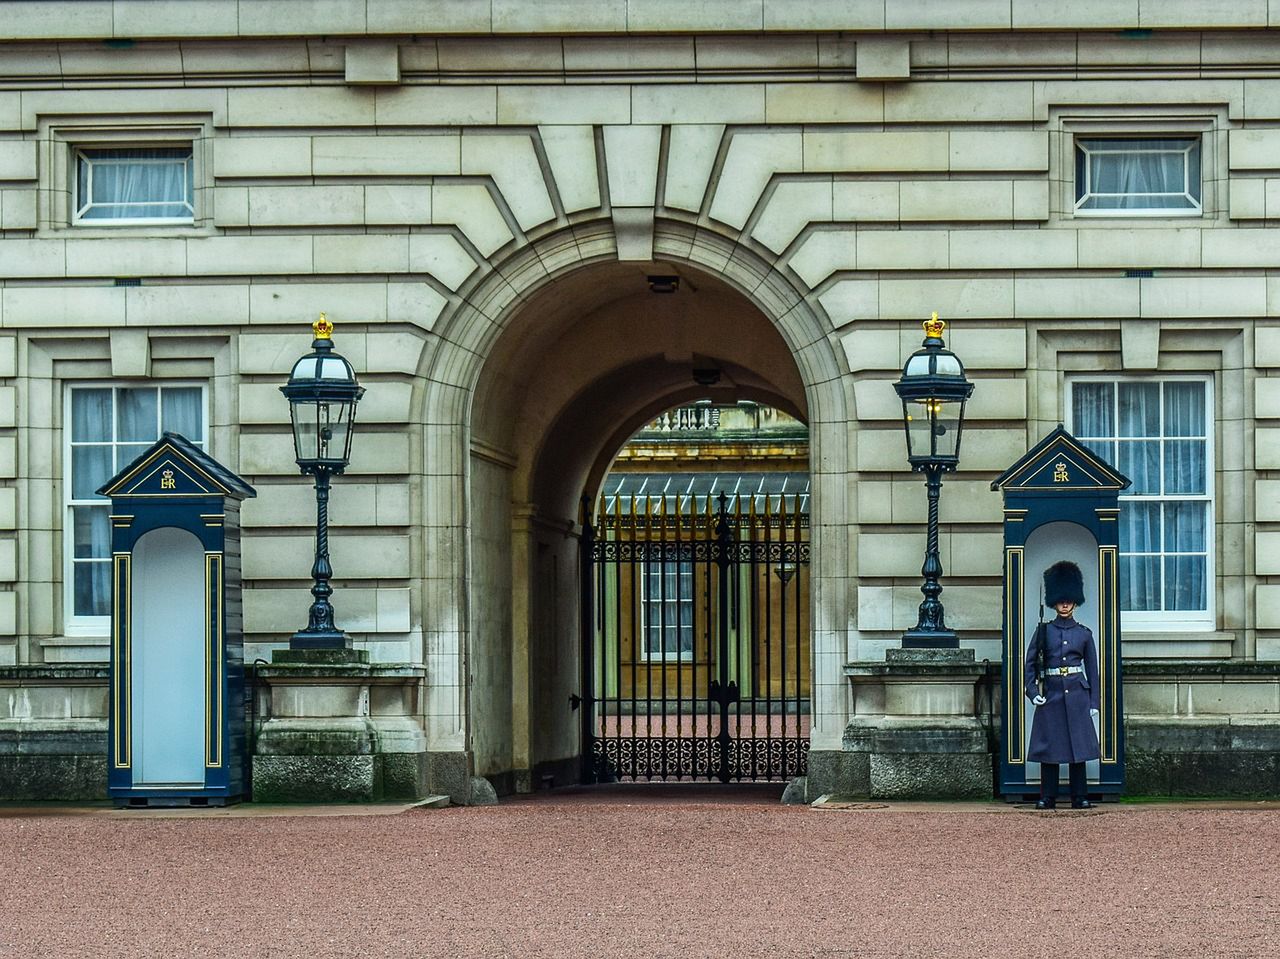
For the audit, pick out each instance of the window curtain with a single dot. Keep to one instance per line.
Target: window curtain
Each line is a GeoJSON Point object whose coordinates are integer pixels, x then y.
{"type": "Point", "coordinates": [1138, 421]}
{"type": "Point", "coordinates": [1185, 472]}
{"type": "Point", "coordinates": [110, 428]}
{"type": "Point", "coordinates": [1160, 443]}
{"type": "Point", "coordinates": [135, 183]}
{"type": "Point", "coordinates": [668, 608]}
{"type": "Point", "coordinates": [1140, 174]}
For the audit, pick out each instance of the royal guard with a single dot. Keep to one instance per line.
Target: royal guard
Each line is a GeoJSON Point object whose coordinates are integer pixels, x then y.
{"type": "Point", "coordinates": [1061, 679]}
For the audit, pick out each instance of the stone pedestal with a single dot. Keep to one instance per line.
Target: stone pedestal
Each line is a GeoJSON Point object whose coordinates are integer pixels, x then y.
{"type": "Point", "coordinates": [53, 732]}
{"type": "Point", "coordinates": [331, 727]}
{"type": "Point", "coordinates": [915, 731]}
{"type": "Point", "coordinates": [1202, 729]}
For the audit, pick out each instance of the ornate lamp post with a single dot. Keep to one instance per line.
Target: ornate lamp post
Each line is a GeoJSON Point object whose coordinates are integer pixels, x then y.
{"type": "Point", "coordinates": [322, 392]}
{"type": "Point", "coordinates": [933, 390]}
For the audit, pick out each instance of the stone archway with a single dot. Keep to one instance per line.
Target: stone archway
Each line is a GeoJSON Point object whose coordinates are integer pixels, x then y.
{"type": "Point", "coordinates": [550, 361]}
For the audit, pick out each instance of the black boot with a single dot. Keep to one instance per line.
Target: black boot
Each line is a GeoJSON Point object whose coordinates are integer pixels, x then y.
{"type": "Point", "coordinates": [1048, 786]}
{"type": "Point", "coordinates": [1079, 787]}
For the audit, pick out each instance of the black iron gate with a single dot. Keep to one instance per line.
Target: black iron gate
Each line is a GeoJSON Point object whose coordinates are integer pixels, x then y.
{"type": "Point", "coordinates": [696, 639]}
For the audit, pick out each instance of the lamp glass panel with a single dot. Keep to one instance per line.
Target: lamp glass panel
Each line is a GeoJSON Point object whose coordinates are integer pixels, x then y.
{"type": "Point", "coordinates": [948, 365]}
{"type": "Point", "coordinates": [946, 430]}
{"type": "Point", "coordinates": [917, 365]}
{"type": "Point", "coordinates": [333, 368]}
{"type": "Point", "coordinates": [919, 429]}
{"type": "Point", "coordinates": [334, 431]}
{"type": "Point", "coordinates": [306, 430]}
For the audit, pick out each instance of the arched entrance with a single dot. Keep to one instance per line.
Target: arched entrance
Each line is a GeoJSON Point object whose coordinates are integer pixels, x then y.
{"type": "Point", "coordinates": [552, 370]}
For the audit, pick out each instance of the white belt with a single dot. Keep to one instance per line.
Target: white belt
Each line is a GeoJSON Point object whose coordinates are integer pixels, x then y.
{"type": "Point", "coordinates": [1063, 670]}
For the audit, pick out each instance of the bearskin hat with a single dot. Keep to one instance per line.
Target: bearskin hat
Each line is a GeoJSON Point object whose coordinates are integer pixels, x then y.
{"type": "Point", "coordinates": [1063, 583]}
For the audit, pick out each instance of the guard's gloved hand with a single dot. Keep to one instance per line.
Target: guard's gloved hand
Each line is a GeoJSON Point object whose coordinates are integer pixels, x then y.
{"type": "Point", "coordinates": [1039, 700]}
{"type": "Point", "coordinates": [1093, 713]}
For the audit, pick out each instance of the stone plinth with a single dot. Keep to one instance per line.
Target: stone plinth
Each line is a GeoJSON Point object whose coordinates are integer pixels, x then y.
{"type": "Point", "coordinates": [914, 731]}
{"type": "Point", "coordinates": [338, 729]}
{"type": "Point", "coordinates": [1202, 729]}
{"type": "Point", "coordinates": [53, 732]}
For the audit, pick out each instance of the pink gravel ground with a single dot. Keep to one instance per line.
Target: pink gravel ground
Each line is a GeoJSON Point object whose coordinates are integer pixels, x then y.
{"type": "Point", "coordinates": [646, 872]}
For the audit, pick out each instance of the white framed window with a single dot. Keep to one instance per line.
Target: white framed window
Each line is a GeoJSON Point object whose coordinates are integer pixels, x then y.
{"type": "Point", "coordinates": [107, 427]}
{"type": "Point", "coordinates": [1138, 176]}
{"type": "Point", "coordinates": [667, 611]}
{"type": "Point", "coordinates": [1159, 433]}
{"type": "Point", "coordinates": [134, 185]}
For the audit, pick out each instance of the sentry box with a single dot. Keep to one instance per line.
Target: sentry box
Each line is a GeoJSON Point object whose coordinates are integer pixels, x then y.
{"type": "Point", "coordinates": [176, 732]}
{"type": "Point", "coordinates": [1061, 502]}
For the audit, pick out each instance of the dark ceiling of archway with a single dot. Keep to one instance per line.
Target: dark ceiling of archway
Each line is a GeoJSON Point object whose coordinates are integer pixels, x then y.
{"type": "Point", "coordinates": [592, 356]}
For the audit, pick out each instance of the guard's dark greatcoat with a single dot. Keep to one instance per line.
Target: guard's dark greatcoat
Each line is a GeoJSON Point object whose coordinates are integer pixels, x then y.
{"type": "Point", "coordinates": [1062, 730]}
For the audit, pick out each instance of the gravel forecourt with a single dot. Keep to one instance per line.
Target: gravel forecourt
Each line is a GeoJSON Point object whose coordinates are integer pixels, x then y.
{"type": "Point", "coordinates": [648, 872]}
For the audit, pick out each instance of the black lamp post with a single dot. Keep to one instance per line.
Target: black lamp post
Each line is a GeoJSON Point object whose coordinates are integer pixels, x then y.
{"type": "Point", "coordinates": [322, 393]}
{"type": "Point", "coordinates": [933, 390]}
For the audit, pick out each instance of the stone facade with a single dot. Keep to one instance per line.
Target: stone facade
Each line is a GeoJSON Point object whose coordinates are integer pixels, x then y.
{"type": "Point", "coordinates": [475, 192]}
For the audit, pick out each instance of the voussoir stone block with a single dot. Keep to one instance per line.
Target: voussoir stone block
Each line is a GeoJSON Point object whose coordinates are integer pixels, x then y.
{"type": "Point", "coordinates": [571, 154]}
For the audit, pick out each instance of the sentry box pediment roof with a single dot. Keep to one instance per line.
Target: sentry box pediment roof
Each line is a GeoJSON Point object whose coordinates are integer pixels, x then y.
{"type": "Point", "coordinates": [174, 466]}
{"type": "Point", "coordinates": [1059, 463]}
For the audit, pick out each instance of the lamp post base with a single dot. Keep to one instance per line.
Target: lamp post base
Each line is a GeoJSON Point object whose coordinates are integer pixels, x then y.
{"type": "Point", "coordinates": [930, 639]}
{"type": "Point", "coordinates": [320, 639]}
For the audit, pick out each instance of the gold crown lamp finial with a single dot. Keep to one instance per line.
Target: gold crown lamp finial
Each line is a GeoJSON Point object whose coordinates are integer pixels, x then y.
{"type": "Point", "coordinates": [323, 329]}
{"type": "Point", "coordinates": [933, 326]}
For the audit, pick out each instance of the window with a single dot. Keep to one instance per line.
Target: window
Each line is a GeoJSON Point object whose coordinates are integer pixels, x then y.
{"type": "Point", "coordinates": [668, 610]}
{"type": "Point", "coordinates": [134, 186]}
{"type": "Point", "coordinates": [108, 427]}
{"type": "Point", "coordinates": [1157, 433]}
{"type": "Point", "coordinates": [1133, 177]}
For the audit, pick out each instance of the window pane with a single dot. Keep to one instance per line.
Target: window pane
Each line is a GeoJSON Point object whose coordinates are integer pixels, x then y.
{"type": "Point", "coordinates": [136, 415]}
{"type": "Point", "coordinates": [1139, 409]}
{"type": "Point", "coordinates": [1139, 582]}
{"type": "Point", "coordinates": [1140, 461]}
{"type": "Point", "coordinates": [1184, 528]}
{"type": "Point", "coordinates": [91, 532]}
{"type": "Point", "coordinates": [1139, 174]}
{"type": "Point", "coordinates": [181, 412]}
{"type": "Point", "coordinates": [126, 454]}
{"type": "Point", "coordinates": [91, 587]}
{"type": "Point", "coordinates": [90, 468]}
{"type": "Point", "coordinates": [1093, 409]}
{"type": "Point", "coordinates": [1103, 448]}
{"type": "Point", "coordinates": [90, 416]}
{"type": "Point", "coordinates": [117, 184]}
{"type": "Point", "coordinates": [1184, 466]}
{"type": "Point", "coordinates": [653, 582]}
{"type": "Point", "coordinates": [1184, 409]}
{"type": "Point", "coordinates": [1184, 582]}
{"type": "Point", "coordinates": [1139, 527]}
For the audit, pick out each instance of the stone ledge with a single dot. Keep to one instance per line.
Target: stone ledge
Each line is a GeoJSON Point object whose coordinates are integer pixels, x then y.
{"type": "Point", "coordinates": [46, 674]}
{"type": "Point", "coordinates": [1223, 669]}
{"type": "Point", "coordinates": [363, 672]}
